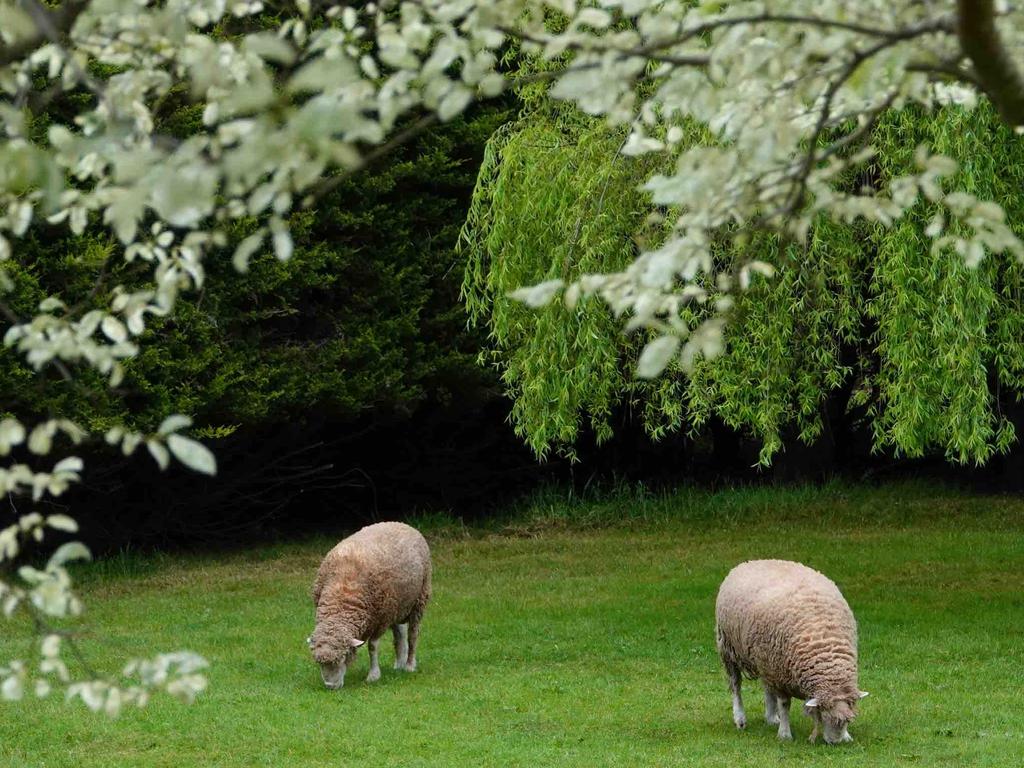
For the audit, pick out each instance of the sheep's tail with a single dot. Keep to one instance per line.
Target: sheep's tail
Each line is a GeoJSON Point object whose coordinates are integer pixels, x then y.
{"type": "Point", "coordinates": [731, 659]}
{"type": "Point", "coordinates": [725, 649]}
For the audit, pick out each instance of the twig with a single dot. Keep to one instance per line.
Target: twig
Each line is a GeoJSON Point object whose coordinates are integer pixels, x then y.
{"type": "Point", "coordinates": [796, 197]}
{"type": "Point", "coordinates": [896, 35]}
{"type": "Point", "coordinates": [45, 23]}
{"type": "Point", "coordinates": [58, 22]}
{"type": "Point", "coordinates": [329, 185]}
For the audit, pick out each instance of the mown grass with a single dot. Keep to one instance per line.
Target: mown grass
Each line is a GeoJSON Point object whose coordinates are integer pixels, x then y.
{"type": "Point", "coordinates": [573, 633]}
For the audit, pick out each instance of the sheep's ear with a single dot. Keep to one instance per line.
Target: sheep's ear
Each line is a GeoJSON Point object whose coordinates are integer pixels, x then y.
{"type": "Point", "coordinates": [811, 703]}
{"type": "Point", "coordinates": [862, 694]}
{"type": "Point", "coordinates": [355, 643]}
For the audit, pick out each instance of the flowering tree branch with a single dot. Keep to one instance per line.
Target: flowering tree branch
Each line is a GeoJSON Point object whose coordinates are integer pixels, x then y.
{"type": "Point", "coordinates": [48, 22]}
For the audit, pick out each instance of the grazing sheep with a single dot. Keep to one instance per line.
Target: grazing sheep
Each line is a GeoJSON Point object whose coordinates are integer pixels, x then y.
{"type": "Point", "coordinates": [790, 626]}
{"type": "Point", "coordinates": [378, 577]}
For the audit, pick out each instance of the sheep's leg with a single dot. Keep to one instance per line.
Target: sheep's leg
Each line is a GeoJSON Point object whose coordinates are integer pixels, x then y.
{"type": "Point", "coordinates": [782, 710]}
{"type": "Point", "coordinates": [815, 716]}
{"type": "Point", "coordinates": [414, 636]}
{"type": "Point", "coordinates": [413, 622]}
{"type": "Point", "coordinates": [735, 683]}
{"type": "Point", "coordinates": [374, 675]}
{"type": "Point", "coordinates": [771, 714]}
{"type": "Point", "coordinates": [400, 633]}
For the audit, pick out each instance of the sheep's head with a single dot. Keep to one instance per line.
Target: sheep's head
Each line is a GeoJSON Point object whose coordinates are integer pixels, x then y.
{"type": "Point", "coordinates": [334, 652]}
{"type": "Point", "coordinates": [834, 716]}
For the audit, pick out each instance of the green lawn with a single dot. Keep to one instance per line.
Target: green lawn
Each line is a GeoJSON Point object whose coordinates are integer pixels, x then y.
{"type": "Point", "coordinates": [575, 634]}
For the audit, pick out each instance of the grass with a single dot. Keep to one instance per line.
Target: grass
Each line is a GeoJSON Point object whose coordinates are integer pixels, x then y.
{"type": "Point", "coordinates": [573, 633]}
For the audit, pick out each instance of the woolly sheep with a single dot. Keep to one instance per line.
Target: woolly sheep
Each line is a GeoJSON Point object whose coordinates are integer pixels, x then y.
{"type": "Point", "coordinates": [378, 577]}
{"type": "Point", "coordinates": [790, 626]}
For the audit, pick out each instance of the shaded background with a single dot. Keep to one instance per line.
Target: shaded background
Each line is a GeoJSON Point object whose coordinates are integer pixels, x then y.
{"type": "Point", "coordinates": [347, 385]}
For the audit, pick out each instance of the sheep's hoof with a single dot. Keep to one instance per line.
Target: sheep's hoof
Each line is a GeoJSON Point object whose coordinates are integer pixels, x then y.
{"type": "Point", "coordinates": [374, 676]}
{"type": "Point", "coordinates": [741, 722]}
{"type": "Point", "coordinates": [813, 737]}
{"type": "Point", "coordinates": [410, 666]}
{"type": "Point", "coordinates": [399, 664]}
{"type": "Point", "coordinates": [785, 736]}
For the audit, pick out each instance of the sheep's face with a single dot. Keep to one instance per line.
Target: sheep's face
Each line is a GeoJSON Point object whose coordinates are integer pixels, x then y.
{"type": "Point", "coordinates": [334, 655]}
{"type": "Point", "coordinates": [333, 673]}
{"type": "Point", "coordinates": [834, 717]}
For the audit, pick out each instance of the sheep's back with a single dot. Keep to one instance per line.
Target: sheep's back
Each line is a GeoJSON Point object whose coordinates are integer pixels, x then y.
{"type": "Point", "coordinates": [386, 564]}
{"type": "Point", "coordinates": [785, 623]}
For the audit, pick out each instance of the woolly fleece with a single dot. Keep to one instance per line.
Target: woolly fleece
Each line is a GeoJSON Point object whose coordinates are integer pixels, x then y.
{"type": "Point", "coordinates": [378, 577]}
{"type": "Point", "coordinates": [790, 626]}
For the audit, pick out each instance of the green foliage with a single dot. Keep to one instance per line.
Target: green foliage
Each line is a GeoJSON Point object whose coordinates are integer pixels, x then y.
{"type": "Point", "coordinates": [553, 200]}
{"type": "Point", "coordinates": [948, 336]}
{"type": "Point", "coordinates": [364, 316]}
{"type": "Point", "coordinates": [866, 319]}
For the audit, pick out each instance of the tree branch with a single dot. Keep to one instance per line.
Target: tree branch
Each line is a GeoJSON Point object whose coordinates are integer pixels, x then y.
{"type": "Point", "coordinates": [598, 46]}
{"type": "Point", "coordinates": [995, 70]}
{"type": "Point", "coordinates": [58, 22]}
{"type": "Point", "coordinates": [45, 23]}
{"type": "Point", "coordinates": [799, 191]}
{"type": "Point", "coordinates": [937, 25]}
{"type": "Point", "coordinates": [333, 182]}
{"type": "Point", "coordinates": [43, 628]}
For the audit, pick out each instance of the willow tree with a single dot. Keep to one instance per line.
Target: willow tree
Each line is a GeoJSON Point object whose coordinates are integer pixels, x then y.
{"type": "Point", "coordinates": [556, 200]}
{"type": "Point", "coordinates": [920, 346]}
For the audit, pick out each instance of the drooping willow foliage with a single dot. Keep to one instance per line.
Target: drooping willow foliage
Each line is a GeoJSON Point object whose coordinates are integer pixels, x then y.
{"type": "Point", "coordinates": [860, 326]}
{"type": "Point", "coordinates": [950, 338]}
{"type": "Point", "coordinates": [555, 199]}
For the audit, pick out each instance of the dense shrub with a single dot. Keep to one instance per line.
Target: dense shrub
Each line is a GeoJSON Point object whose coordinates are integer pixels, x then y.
{"type": "Point", "coordinates": [364, 316]}
{"type": "Point", "coordinates": [321, 376]}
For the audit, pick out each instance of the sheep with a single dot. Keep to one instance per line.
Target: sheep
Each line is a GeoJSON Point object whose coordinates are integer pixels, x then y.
{"type": "Point", "coordinates": [790, 626]}
{"type": "Point", "coordinates": [378, 577]}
